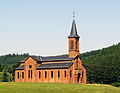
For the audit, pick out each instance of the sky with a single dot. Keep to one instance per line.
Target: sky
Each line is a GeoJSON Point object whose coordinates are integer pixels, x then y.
{"type": "Point", "coordinates": [41, 27]}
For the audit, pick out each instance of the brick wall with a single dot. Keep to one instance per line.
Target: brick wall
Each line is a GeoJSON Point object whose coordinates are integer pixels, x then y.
{"type": "Point", "coordinates": [73, 78]}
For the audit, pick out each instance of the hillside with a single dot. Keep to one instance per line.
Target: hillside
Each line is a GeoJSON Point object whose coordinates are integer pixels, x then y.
{"type": "Point", "coordinates": [11, 59]}
{"type": "Point", "coordinates": [103, 66]}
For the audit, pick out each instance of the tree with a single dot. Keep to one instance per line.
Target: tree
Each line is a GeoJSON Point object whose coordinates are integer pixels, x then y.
{"type": "Point", "coordinates": [9, 69]}
{"type": "Point", "coordinates": [5, 75]}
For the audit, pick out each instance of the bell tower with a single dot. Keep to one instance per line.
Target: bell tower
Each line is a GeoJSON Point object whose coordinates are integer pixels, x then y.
{"type": "Point", "coordinates": [73, 39]}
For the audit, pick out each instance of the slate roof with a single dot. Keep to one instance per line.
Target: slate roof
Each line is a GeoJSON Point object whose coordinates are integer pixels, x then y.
{"type": "Point", "coordinates": [73, 30]}
{"type": "Point", "coordinates": [56, 58]}
{"type": "Point", "coordinates": [55, 65]}
{"type": "Point", "coordinates": [50, 58]}
{"type": "Point", "coordinates": [20, 68]}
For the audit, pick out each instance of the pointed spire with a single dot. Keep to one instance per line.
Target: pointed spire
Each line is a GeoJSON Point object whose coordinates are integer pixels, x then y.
{"type": "Point", "coordinates": [73, 32]}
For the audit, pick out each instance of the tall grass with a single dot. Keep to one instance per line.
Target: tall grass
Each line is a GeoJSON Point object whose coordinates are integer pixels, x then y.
{"type": "Point", "coordinates": [13, 87]}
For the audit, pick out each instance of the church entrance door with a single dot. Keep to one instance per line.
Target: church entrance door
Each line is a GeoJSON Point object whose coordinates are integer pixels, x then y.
{"type": "Point", "coordinates": [78, 78]}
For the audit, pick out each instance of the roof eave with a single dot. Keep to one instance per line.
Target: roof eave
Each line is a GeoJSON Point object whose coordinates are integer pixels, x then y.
{"type": "Point", "coordinates": [18, 69]}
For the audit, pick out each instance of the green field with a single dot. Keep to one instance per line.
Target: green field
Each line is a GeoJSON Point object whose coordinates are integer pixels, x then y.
{"type": "Point", "coordinates": [12, 87]}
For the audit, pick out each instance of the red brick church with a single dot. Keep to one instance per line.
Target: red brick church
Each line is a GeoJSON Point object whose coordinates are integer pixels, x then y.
{"type": "Point", "coordinates": [54, 69]}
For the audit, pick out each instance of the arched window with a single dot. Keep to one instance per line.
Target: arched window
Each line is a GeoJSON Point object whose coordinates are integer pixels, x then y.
{"type": "Point", "coordinates": [18, 75]}
{"type": "Point", "coordinates": [70, 73]}
{"type": "Point", "coordinates": [65, 73]}
{"type": "Point", "coordinates": [22, 74]}
{"type": "Point", "coordinates": [72, 44]}
{"type": "Point", "coordinates": [58, 74]}
{"type": "Point", "coordinates": [51, 74]}
{"type": "Point", "coordinates": [39, 74]}
{"type": "Point", "coordinates": [31, 73]}
{"type": "Point", "coordinates": [28, 73]}
{"type": "Point", "coordinates": [45, 74]}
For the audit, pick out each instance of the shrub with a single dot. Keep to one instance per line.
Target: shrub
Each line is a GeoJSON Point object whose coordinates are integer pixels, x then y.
{"type": "Point", "coordinates": [5, 75]}
{"type": "Point", "coordinates": [1, 77]}
{"type": "Point", "coordinates": [116, 84]}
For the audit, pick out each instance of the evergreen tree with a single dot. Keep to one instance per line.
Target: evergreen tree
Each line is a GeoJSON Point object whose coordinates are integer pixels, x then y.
{"type": "Point", "coordinates": [9, 69]}
{"type": "Point", "coordinates": [5, 75]}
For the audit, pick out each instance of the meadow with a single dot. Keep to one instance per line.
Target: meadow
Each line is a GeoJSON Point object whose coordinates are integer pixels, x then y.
{"type": "Point", "coordinates": [13, 87]}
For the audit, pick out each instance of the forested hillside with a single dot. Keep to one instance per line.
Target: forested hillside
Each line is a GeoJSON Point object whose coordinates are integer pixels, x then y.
{"type": "Point", "coordinates": [12, 58]}
{"type": "Point", "coordinates": [103, 66]}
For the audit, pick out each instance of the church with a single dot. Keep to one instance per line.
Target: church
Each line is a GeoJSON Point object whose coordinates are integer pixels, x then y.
{"type": "Point", "coordinates": [54, 69]}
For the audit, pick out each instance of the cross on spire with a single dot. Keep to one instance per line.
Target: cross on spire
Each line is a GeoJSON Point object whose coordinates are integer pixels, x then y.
{"type": "Point", "coordinates": [73, 13]}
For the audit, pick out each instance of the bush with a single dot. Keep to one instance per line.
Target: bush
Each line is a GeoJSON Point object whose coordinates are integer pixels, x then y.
{"type": "Point", "coordinates": [5, 75]}
{"type": "Point", "coordinates": [116, 84]}
{"type": "Point", "coordinates": [1, 77]}
{"type": "Point", "coordinates": [8, 78]}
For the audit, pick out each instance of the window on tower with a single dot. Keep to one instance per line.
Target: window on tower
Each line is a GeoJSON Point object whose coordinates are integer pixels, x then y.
{"type": "Point", "coordinates": [76, 44]}
{"type": "Point", "coordinates": [72, 44]}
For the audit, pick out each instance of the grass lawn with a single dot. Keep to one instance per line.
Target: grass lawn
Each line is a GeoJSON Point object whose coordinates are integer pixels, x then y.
{"type": "Point", "coordinates": [13, 87]}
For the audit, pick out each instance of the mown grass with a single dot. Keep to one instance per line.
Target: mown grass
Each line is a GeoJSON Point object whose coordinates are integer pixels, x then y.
{"type": "Point", "coordinates": [13, 87]}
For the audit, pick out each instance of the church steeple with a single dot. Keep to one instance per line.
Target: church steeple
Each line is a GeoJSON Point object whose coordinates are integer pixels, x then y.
{"type": "Point", "coordinates": [73, 32]}
{"type": "Point", "coordinates": [73, 40]}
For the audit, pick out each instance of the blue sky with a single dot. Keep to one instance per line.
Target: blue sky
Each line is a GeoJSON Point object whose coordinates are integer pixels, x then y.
{"type": "Point", "coordinates": [41, 27]}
